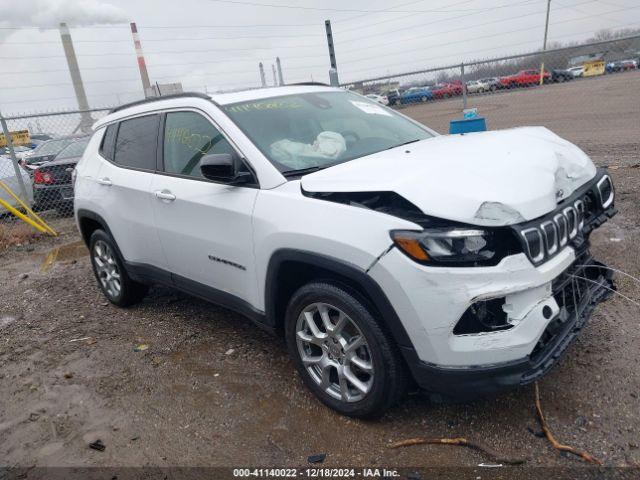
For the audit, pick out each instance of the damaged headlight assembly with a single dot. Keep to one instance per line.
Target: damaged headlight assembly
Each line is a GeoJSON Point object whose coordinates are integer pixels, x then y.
{"type": "Point", "coordinates": [463, 247]}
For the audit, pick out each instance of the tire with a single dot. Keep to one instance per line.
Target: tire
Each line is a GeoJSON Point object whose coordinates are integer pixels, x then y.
{"type": "Point", "coordinates": [493, 88]}
{"type": "Point", "coordinates": [380, 388]}
{"type": "Point", "coordinates": [107, 263]}
{"type": "Point", "coordinates": [424, 99]}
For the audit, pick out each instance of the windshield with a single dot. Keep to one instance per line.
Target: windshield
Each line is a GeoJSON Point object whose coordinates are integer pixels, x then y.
{"type": "Point", "coordinates": [52, 147]}
{"type": "Point", "coordinates": [320, 129]}
{"type": "Point", "coordinates": [76, 149]}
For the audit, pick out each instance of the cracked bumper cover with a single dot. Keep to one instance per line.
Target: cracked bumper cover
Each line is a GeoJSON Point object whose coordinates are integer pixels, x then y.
{"type": "Point", "coordinates": [578, 300]}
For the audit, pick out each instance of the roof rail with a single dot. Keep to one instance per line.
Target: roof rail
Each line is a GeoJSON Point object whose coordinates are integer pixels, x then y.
{"type": "Point", "coordinates": [310, 84]}
{"type": "Point", "coordinates": [162, 97]}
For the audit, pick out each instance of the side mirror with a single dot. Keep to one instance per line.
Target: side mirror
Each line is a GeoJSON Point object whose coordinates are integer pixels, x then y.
{"type": "Point", "coordinates": [221, 167]}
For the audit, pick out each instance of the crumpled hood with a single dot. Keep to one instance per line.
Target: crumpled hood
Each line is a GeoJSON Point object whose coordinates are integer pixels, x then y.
{"type": "Point", "coordinates": [500, 177]}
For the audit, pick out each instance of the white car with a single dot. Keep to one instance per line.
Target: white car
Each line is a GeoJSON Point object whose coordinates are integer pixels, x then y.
{"type": "Point", "coordinates": [382, 99]}
{"type": "Point", "coordinates": [476, 86]}
{"type": "Point", "coordinates": [12, 181]}
{"type": "Point", "coordinates": [576, 71]}
{"type": "Point", "coordinates": [380, 250]}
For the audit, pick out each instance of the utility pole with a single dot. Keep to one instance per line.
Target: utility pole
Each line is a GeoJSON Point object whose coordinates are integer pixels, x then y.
{"type": "Point", "coordinates": [544, 42]}
{"type": "Point", "coordinates": [142, 65]}
{"type": "Point", "coordinates": [263, 80]}
{"type": "Point", "coordinates": [333, 72]}
{"type": "Point", "coordinates": [279, 68]}
{"type": "Point", "coordinates": [76, 79]}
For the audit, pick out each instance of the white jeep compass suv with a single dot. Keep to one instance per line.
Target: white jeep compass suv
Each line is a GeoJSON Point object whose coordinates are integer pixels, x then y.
{"type": "Point", "coordinates": [383, 252]}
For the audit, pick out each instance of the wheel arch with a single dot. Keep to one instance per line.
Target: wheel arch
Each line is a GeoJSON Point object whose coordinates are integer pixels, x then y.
{"type": "Point", "coordinates": [289, 269]}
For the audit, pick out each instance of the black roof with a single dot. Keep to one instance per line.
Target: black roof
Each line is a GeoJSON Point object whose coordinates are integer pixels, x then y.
{"type": "Point", "coordinates": [156, 99]}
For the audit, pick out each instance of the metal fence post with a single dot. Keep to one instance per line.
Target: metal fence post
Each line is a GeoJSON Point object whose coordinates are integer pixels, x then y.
{"type": "Point", "coordinates": [14, 160]}
{"type": "Point", "coordinates": [333, 72]}
{"type": "Point", "coordinates": [464, 87]}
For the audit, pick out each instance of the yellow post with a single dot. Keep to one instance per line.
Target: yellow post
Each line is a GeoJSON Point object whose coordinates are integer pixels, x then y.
{"type": "Point", "coordinates": [23, 217]}
{"type": "Point", "coordinates": [46, 228]}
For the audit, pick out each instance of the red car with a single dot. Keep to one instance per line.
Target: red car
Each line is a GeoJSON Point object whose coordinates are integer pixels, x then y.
{"type": "Point", "coordinates": [524, 78]}
{"type": "Point", "coordinates": [446, 90]}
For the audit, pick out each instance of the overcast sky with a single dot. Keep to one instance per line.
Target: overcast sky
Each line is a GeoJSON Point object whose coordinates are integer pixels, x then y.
{"type": "Point", "coordinates": [217, 44]}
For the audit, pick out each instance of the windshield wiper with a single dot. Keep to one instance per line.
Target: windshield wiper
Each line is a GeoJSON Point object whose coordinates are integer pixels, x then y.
{"type": "Point", "coordinates": [301, 171]}
{"type": "Point", "coordinates": [405, 143]}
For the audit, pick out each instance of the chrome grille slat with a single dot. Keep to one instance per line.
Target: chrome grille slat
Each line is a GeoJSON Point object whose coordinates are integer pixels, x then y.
{"type": "Point", "coordinates": [572, 221]}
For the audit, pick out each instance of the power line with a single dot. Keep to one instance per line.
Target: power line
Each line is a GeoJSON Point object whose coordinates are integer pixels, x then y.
{"type": "Point", "coordinates": [325, 9]}
{"type": "Point", "coordinates": [511, 4]}
{"type": "Point", "coordinates": [422, 25]}
{"type": "Point", "coordinates": [484, 50]}
{"type": "Point", "coordinates": [492, 22]}
{"type": "Point", "coordinates": [492, 35]}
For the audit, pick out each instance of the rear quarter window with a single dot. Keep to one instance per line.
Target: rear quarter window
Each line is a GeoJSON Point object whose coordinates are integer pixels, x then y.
{"type": "Point", "coordinates": [136, 142]}
{"type": "Point", "coordinates": [109, 142]}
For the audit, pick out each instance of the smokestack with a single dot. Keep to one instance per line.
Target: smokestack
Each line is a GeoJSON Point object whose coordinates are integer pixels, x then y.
{"type": "Point", "coordinates": [85, 118]}
{"type": "Point", "coordinates": [146, 84]}
{"type": "Point", "coordinates": [279, 67]}
{"type": "Point", "coordinates": [263, 80]}
{"type": "Point", "coordinates": [273, 69]}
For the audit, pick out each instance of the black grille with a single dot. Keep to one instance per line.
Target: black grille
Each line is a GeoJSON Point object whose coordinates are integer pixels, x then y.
{"type": "Point", "coordinates": [574, 218]}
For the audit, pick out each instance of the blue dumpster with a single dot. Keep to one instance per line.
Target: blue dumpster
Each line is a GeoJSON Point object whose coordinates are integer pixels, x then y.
{"type": "Point", "coordinates": [468, 125]}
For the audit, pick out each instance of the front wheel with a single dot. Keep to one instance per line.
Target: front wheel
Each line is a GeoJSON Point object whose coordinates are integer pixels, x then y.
{"type": "Point", "coordinates": [341, 353]}
{"type": "Point", "coordinates": [108, 267]}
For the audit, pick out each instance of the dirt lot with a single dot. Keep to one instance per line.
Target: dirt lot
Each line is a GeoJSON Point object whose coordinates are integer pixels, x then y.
{"type": "Point", "coordinates": [211, 389]}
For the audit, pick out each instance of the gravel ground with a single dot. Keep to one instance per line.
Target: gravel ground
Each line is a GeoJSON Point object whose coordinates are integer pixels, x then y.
{"type": "Point", "coordinates": [212, 390]}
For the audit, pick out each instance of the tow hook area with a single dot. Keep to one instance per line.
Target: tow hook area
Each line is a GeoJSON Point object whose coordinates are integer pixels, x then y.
{"type": "Point", "coordinates": [585, 282]}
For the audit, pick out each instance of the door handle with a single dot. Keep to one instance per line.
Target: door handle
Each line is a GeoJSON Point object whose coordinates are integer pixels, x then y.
{"type": "Point", "coordinates": [105, 181]}
{"type": "Point", "coordinates": [165, 195]}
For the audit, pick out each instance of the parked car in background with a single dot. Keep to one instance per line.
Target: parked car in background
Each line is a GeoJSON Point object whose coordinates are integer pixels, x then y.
{"type": "Point", "coordinates": [446, 90]}
{"type": "Point", "coordinates": [559, 76]}
{"type": "Point", "coordinates": [382, 99]}
{"type": "Point", "coordinates": [492, 83]}
{"type": "Point", "coordinates": [21, 151]}
{"type": "Point", "coordinates": [576, 71]}
{"type": "Point", "coordinates": [621, 66]}
{"type": "Point", "coordinates": [524, 78]}
{"type": "Point", "coordinates": [52, 181]}
{"type": "Point", "coordinates": [475, 86]}
{"type": "Point", "coordinates": [47, 151]}
{"type": "Point", "coordinates": [628, 64]}
{"type": "Point", "coordinates": [393, 96]}
{"type": "Point", "coordinates": [489, 84]}
{"type": "Point", "coordinates": [10, 179]}
{"type": "Point", "coordinates": [416, 94]}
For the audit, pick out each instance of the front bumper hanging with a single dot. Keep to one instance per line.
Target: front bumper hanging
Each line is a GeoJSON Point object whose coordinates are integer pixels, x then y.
{"type": "Point", "coordinates": [578, 290]}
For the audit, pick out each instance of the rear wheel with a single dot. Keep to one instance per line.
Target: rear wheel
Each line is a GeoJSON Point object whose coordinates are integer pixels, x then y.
{"type": "Point", "coordinates": [109, 270]}
{"type": "Point", "coordinates": [341, 352]}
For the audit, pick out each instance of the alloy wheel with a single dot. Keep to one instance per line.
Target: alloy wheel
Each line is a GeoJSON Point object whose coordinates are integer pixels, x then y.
{"type": "Point", "coordinates": [334, 352]}
{"type": "Point", "coordinates": [107, 269]}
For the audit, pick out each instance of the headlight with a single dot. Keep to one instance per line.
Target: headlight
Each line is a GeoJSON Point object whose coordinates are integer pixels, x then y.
{"type": "Point", "coordinates": [456, 246]}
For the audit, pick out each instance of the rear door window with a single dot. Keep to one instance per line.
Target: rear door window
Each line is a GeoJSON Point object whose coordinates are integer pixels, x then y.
{"type": "Point", "coordinates": [137, 141]}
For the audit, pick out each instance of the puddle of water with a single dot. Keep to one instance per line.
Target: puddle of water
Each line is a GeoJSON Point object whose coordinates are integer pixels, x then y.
{"type": "Point", "coordinates": [70, 251]}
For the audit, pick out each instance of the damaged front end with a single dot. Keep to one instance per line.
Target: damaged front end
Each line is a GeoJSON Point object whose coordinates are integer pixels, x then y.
{"type": "Point", "coordinates": [578, 290]}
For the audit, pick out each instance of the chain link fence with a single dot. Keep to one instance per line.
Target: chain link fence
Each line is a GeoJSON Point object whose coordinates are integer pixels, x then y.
{"type": "Point", "coordinates": [38, 153]}
{"type": "Point", "coordinates": [587, 94]}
